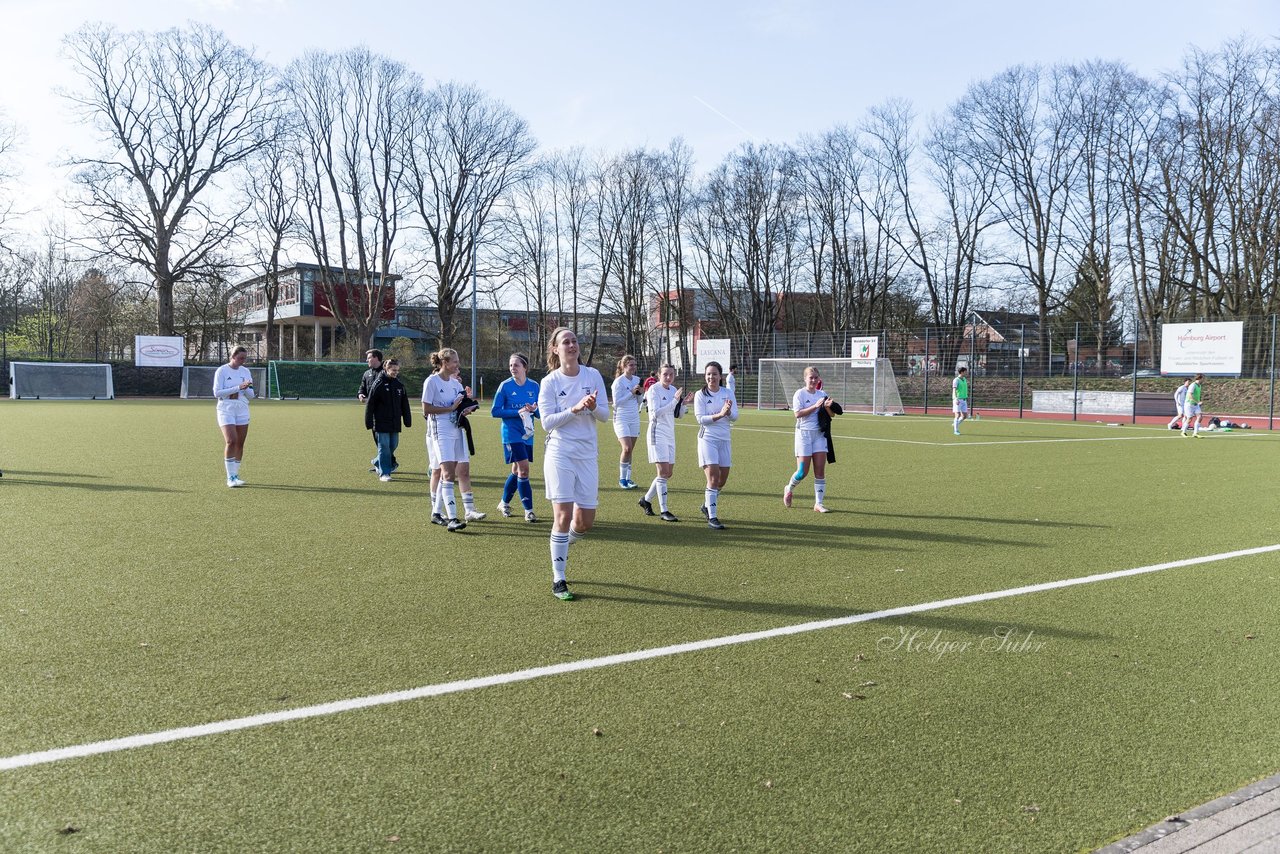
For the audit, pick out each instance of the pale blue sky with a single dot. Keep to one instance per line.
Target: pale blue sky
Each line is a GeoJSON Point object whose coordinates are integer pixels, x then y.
{"type": "Point", "coordinates": [611, 76]}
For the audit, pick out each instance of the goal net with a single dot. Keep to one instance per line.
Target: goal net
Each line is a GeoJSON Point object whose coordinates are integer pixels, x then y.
{"type": "Point", "coordinates": [313, 380]}
{"type": "Point", "coordinates": [60, 381]}
{"type": "Point", "coordinates": [197, 381]}
{"type": "Point", "coordinates": [856, 386]}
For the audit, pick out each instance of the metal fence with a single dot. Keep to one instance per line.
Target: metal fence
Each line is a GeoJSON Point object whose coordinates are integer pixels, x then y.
{"type": "Point", "coordinates": [1009, 363]}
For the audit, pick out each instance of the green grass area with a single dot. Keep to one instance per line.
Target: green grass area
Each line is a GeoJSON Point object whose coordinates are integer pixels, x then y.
{"type": "Point", "coordinates": [140, 594]}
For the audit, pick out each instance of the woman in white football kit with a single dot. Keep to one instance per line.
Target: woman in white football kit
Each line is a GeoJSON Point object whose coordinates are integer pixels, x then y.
{"type": "Point", "coordinates": [233, 387]}
{"type": "Point", "coordinates": [442, 395]}
{"type": "Point", "coordinates": [627, 393]}
{"type": "Point", "coordinates": [715, 408]}
{"type": "Point", "coordinates": [663, 400]}
{"type": "Point", "coordinates": [811, 444]}
{"type": "Point", "coordinates": [571, 400]}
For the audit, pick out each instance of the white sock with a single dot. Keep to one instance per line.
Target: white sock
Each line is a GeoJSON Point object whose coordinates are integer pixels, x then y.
{"type": "Point", "coordinates": [652, 492]}
{"type": "Point", "coordinates": [559, 555]}
{"type": "Point", "coordinates": [661, 483]}
{"type": "Point", "coordinates": [449, 506]}
{"type": "Point", "coordinates": [469, 502]}
{"type": "Point", "coordinates": [435, 496]}
{"type": "Point", "coordinates": [574, 536]}
{"type": "Point", "coordinates": [235, 468]}
{"type": "Point", "coordinates": [624, 471]}
{"type": "Point", "coordinates": [819, 490]}
{"type": "Point", "coordinates": [712, 498]}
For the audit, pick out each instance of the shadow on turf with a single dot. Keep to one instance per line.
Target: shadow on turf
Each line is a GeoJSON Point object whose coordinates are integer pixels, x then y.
{"type": "Point", "coordinates": [773, 534]}
{"type": "Point", "coordinates": [92, 487]}
{"type": "Point", "coordinates": [653, 596]}
{"type": "Point", "coordinates": [53, 474]}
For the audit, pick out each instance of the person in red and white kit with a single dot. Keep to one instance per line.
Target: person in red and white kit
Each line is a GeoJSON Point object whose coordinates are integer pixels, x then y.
{"type": "Point", "coordinates": [663, 401]}
{"type": "Point", "coordinates": [715, 408]}
{"type": "Point", "coordinates": [233, 387]}
{"type": "Point", "coordinates": [571, 399]}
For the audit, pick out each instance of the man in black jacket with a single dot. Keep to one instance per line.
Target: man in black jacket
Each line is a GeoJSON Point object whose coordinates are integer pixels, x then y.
{"type": "Point", "coordinates": [373, 358]}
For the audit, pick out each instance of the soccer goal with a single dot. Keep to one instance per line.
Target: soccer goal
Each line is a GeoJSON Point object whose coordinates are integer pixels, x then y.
{"type": "Point", "coordinates": [313, 380]}
{"type": "Point", "coordinates": [857, 386]}
{"type": "Point", "coordinates": [197, 381]}
{"type": "Point", "coordinates": [60, 381]}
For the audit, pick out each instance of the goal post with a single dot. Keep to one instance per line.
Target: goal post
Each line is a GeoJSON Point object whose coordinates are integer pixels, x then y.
{"type": "Point", "coordinates": [197, 381]}
{"type": "Point", "coordinates": [858, 386]}
{"type": "Point", "coordinates": [60, 381]}
{"type": "Point", "coordinates": [313, 380]}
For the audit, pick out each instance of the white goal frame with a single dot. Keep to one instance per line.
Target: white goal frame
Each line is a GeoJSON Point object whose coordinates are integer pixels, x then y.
{"type": "Point", "coordinates": [858, 386]}
{"type": "Point", "coordinates": [201, 387]}
{"type": "Point", "coordinates": [16, 392]}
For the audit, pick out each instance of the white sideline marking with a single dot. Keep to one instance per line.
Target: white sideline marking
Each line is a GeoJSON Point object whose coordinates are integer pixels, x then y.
{"type": "Point", "coordinates": [955, 443]}
{"type": "Point", "coordinates": [79, 751]}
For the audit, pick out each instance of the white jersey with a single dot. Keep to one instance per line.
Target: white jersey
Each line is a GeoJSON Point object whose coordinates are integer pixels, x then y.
{"type": "Point", "coordinates": [226, 382]}
{"type": "Point", "coordinates": [662, 401]}
{"type": "Point", "coordinates": [571, 434]}
{"type": "Point", "coordinates": [731, 381]}
{"type": "Point", "coordinates": [706, 406]}
{"type": "Point", "coordinates": [441, 392]}
{"type": "Point", "coordinates": [803, 399]}
{"type": "Point", "coordinates": [626, 403]}
{"type": "Point", "coordinates": [1180, 397]}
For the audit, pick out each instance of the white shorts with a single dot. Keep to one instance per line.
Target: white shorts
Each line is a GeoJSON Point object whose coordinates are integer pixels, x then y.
{"type": "Point", "coordinates": [1192, 410]}
{"type": "Point", "coordinates": [233, 412]}
{"type": "Point", "coordinates": [960, 407]}
{"type": "Point", "coordinates": [662, 451]}
{"type": "Point", "coordinates": [572, 482]}
{"type": "Point", "coordinates": [628, 428]}
{"type": "Point", "coordinates": [432, 462]}
{"type": "Point", "coordinates": [810, 442]}
{"type": "Point", "coordinates": [448, 447]}
{"type": "Point", "coordinates": [714, 452]}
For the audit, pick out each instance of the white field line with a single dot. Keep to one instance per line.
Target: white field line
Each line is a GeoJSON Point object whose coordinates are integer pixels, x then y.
{"type": "Point", "coordinates": [131, 742]}
{"type": "Point", "coordinates": [960, 444]}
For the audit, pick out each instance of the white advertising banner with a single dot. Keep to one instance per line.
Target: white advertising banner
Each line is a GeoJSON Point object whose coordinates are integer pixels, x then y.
{"type": "Point", "coordinates": [157, 351]}
{"type": "Point", "coordinates": [713, 350]}
{"type": "Point", "coordinates": [1201, 348]}
{"type": "Point", "coordinates": [865, 349]}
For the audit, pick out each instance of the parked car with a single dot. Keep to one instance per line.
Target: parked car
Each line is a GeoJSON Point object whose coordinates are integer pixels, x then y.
{"type": "Point", "coordinates": [1145, 372]}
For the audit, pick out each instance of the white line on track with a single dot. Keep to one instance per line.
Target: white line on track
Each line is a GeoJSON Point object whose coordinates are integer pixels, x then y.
{"type": "Point", "coordinates": [961, 443]}
{"type": "Point", "coordinates": [79, 751]}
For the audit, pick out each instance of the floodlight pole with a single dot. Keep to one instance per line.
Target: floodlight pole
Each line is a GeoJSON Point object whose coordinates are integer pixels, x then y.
{"type": "Point", "coordinates": [468, 174]}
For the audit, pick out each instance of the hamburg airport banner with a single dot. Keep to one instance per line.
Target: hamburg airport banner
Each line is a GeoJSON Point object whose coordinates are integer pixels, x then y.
{"type": "Point", "coordinates": [865, 349]}
{"type": "Point", "coordinates": [1201, 348]}
{"type": "Point", "coordinates": [713, 350]}
{"type": "Point", "coordinates": [156, 351]}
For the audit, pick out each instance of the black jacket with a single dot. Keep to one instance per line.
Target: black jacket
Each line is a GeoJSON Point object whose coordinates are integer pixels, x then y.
{"type": "Point", "coordinates": [824, 424]}
{"type": "Point", "coordinates": [368, 381]}
{"type": "Point", "coordinates": [387, 406]}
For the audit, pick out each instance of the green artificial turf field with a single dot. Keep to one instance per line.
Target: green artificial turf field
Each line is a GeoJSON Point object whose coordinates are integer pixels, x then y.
{"type": "Point", "coordinates": [141, 595]}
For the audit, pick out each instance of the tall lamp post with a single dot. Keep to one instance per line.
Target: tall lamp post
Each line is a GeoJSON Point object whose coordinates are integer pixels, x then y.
{"type": "Point", "coordinates": [468, 174]}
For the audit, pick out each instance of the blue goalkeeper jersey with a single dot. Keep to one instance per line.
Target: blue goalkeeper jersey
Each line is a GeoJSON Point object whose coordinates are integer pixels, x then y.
{"type": "Point", "coordinates": [507, 402]}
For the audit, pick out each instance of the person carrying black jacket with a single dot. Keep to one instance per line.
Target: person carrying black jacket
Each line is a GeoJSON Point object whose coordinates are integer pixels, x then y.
{"type": "Point", "coordinates": [387, 406]}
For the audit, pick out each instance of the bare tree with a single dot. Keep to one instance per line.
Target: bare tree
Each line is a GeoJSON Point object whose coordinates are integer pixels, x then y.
{"type": "Point", "coordinates": [571, 191]}
{"type": "Point", "coordinates": [465, 150]}
{"type": "Point", "coordinates": [526, 238]}
{"type": "Point", "coordinates": [625, 209]}
{"type": "Point", "coordinates": [274, 196]}
{"type": "Point", "coordinates": [352, 112]}
{"type": "Point", "coordinates": [1021, 125]}
{"type": "Point", "coordinates": [176, 111]}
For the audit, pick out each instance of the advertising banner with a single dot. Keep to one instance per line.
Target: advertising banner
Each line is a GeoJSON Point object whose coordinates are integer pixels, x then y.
{"type": "Point", "coordinates": [1201, 348]}
{"type": "Point", "coordinates": [157, 351]}
{"type": "Point", "coordinates": [713, 350]}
